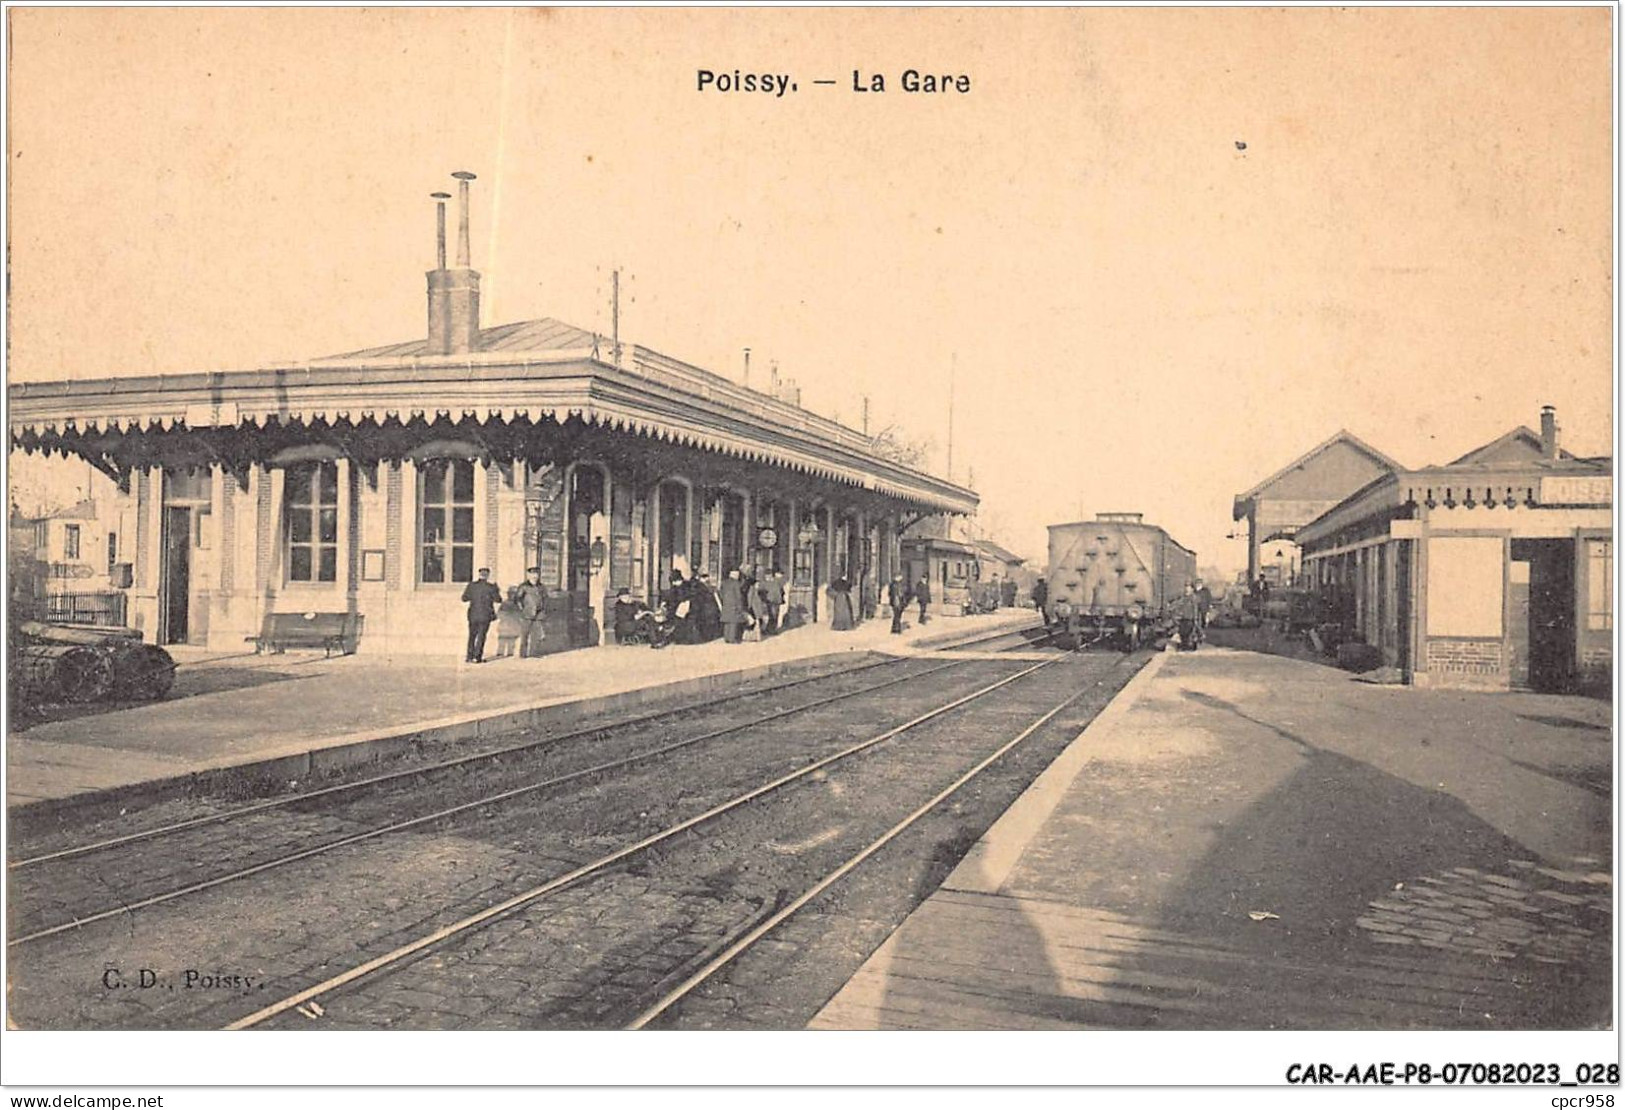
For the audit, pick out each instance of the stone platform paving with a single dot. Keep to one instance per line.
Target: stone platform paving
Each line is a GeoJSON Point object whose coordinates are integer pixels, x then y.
{"type": "Point", "coordinates": [1242, 841]}
{"type": "Point", "coordinates": [245, 711]}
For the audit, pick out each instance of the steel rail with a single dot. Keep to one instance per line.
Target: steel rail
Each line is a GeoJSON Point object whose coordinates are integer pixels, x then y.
{"type": "Point", "coordinates": [445, 765]}
{"type": "Point", "coordinates": [452, 811]}
{"type": "Point", "coordinates": [773, 921]}
{"type": "Point", "coordinates": [597, 866]}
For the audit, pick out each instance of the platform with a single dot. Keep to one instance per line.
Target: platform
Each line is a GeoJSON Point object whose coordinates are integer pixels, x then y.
{"type": "Point", "coordinates": [248, 711]}
{"type": "Point", "coordinates": [1243, 841]}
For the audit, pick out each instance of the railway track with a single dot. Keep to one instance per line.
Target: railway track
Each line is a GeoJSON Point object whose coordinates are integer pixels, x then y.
{"type": "Point", "coordinates": [165, 872]}
{"type": "Point", "coordinates": [561, 874]}
{"type": "Point", "coordinates": [452, 954]}
{"type": "Point", "coordinates": [604, 864]}
{"type": "Point", "coordinates": [999, 641]}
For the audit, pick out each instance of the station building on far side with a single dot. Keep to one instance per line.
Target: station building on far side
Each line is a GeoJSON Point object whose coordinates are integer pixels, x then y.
{"type": "Point", "coordinates": [377, 483]}
{"type": "Point", "coordinates": [1494, 571]}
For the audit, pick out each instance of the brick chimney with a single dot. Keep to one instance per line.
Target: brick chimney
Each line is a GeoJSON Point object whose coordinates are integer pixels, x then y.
{"type": "Point", "coordinates": [454, 294]}
{"type": "Point", "coordinates": [1548, 432]}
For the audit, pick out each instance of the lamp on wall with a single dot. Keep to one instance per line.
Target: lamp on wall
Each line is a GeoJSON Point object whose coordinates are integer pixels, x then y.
{"type": "Point", "coordinates": [598, 555]}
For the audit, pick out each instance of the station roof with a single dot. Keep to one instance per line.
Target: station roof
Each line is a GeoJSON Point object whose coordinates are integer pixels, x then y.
{"type": "Point", "coordinates": [1509, 470]}
{"type": "Point", "coordinates": [532, 370]}
{"type": "Point", "coordinates": [526, 336]}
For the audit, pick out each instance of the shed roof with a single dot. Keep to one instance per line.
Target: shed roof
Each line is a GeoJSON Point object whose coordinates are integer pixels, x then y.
{"type": "Point", "coordinates": [1343, 435]}
{"type": "Point", "coordinates": [994, 551]}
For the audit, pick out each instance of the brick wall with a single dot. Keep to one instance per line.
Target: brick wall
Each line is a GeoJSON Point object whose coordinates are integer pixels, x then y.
{"type": "Point", "coordinates": [1470, 659]}
{"type": "Point", "coordinates": [264, 534]}
{"type": "Point", "coordinates": [228, 535]}
{"type": "Point", "coordinates": [145, 492]}
{"type": "Point", "coordinates": [491, 540]}
{"type": "Point", "coordinates": [1597, 667]}
{"type": "Point", "coordinates": [392, 525]}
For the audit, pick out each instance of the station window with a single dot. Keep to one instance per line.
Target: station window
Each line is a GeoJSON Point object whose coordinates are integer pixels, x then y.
{"type": "Point", "coordinates": [70, 541]}
{"type": "Point", "coordinates": [112, 549]}
{"type": "Point", "coordinates": [312, 499]}
{"type": "Point", "coordinates": [446, 521]}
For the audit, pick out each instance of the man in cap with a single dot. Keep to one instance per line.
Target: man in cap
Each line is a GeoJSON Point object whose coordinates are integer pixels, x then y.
{"type": "Point", "coordinates": [482, 597]}
{"type": "Point", "coordinates": [532, 601]}
{"type": "Point", "coordinates": [897, 598]}
{"type": "Point", "coordinates": [772, 594]}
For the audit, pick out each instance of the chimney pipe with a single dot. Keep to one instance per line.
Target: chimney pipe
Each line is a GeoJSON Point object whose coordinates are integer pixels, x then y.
{"type": "Point", "coordinates": [747, 367]}
{"type": "Point", "coordinates": [1548, 432]}
{"type": "Point", "coordinates": [454, 294]}
{"type": "Point", "coordinates": [440, 229]}
{"type": "Point", "coordinates": [463, 178]}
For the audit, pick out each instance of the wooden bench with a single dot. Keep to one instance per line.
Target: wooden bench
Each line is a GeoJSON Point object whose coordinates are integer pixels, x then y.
{"type": "Point", "coordinates": [329, 631]}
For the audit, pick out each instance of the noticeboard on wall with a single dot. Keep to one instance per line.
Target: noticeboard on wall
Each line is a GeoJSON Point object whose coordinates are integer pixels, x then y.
{"type": "Point", "coordinates": [1465, 576]}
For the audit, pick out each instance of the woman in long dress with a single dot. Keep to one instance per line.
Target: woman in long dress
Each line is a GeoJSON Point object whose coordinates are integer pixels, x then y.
{"type": "Point", "coordinates": [840, 605]}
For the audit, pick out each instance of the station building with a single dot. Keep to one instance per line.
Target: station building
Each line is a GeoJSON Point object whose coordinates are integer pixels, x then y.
{"type": "Point", "coordinates": [376, 483]}
{"type": "Point", "coordinates": [1276, 508]}
{"type": "Point", "coordinates": [1493, 571]}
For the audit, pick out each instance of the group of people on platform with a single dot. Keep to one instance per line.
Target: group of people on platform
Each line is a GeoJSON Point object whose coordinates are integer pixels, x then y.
{"type": "Point", "coordinates": [518, 615]}
{"type": "Point", "coordinates": [692, 610]}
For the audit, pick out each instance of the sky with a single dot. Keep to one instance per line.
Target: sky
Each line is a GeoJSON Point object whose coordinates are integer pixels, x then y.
{"type": "Point", "coordinates": [1159, 253]}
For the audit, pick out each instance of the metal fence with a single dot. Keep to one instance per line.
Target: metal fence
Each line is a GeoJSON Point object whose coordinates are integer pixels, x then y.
{"type": "Point", "coordinates": [106, 608]}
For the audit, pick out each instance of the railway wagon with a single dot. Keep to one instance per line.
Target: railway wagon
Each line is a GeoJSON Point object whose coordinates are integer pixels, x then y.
{"type": "Point", "coordinates": [1115, 578]}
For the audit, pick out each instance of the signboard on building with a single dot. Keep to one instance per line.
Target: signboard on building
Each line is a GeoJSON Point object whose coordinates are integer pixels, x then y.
{"type": "Point", "coordinates": [1572, 489]}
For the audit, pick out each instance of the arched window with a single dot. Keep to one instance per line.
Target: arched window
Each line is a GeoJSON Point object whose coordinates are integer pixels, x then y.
{"type": "Point", "coordinates": [446, 520]}
{"type": "Point", "coordinates": [311, 510]}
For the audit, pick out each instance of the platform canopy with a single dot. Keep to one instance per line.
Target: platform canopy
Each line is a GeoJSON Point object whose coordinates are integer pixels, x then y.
{"type": "Point", "coordinates": [527, 391]}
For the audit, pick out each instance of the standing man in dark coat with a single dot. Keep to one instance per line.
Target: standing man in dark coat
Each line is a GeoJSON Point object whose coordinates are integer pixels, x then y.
{"type": "Point", "coordinates": [733, 607]}
{"type": "Point", "coordinates": [1041, 597]}
{"type": "Point", "coordinates": [482, 596]}
{"type": "Point", "coordinates": [772, 593]}
{"type": "Point", "coordinates": [532, 599]}
{"type": "Point", "coordinates": [1184, 612]}
{"type": "Point", "coordinates": [1204, 605]}
{"type": "Point", "coordinates": [922, 594]}
{"type": "Point", "coordinates": [897, 598]}
{"type": "Point", "coordinates": [747, 596]}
